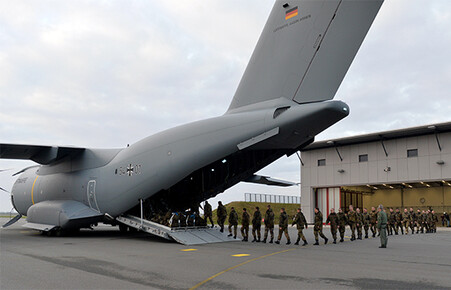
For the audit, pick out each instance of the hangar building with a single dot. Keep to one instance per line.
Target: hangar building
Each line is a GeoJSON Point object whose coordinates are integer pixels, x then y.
{"type": "Point", "coordinates": [400, 168]}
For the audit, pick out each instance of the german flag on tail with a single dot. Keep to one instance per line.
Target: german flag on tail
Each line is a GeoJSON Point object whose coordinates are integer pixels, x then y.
{"type": "Point", "coordinates": [291, 13]}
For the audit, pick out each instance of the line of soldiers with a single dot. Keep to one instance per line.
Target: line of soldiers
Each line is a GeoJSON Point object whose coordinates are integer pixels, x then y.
{"type": "Point", "coordinates": [358, 222]}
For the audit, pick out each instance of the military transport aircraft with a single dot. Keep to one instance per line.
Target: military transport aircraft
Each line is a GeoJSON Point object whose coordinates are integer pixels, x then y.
{"type": "Point", "coordinates": [283, 100]}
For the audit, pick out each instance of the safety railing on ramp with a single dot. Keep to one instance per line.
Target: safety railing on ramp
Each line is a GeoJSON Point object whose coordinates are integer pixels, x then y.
{"type": "Point", "coordinates": [186, 235]}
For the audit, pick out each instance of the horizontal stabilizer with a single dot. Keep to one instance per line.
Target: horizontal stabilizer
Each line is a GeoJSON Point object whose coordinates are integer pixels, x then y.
{"type": "Point", "coordinates": [259, 179]}
{"type": "Point", "coordinates": [12, 221]}
{"type": "Point", "coordinates": [38, 153]}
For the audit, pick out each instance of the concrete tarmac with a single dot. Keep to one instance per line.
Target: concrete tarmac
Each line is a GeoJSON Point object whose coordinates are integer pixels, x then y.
{"type": "Point", "coordinates": [104, 258]}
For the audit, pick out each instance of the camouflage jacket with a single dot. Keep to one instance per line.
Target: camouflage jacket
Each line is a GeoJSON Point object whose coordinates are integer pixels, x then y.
{"type": "Point", "coordinates": [222, 211]}
{"type": "Point", "coordinates": [283, 220]}
{"type": "Point", "coordinates": [392, 217]}
{"type": "Point", "coordinates": [398, 217]}
{"type": "Point", "coordinates": [245, 219]}
{"type": "Point", "coordinates": [366, 218]}
{"type": "Point", "coordinates": [413, 216]}
{"type": "Point", "coordinates": [233, 217]}
{"type": "Point", "coordinates": [207, 210]}
{"type": "Point", "coordinates": [257, 219]}
{"type": "Point", "coordinates": [373, 217]}
{"type": "Point", "coordinates": [299, 220]}
{"type": "Point", "coordinates": [332, 219]}
{"type": "Point", "coordinates": [352, 217]}
{"type": "Point", "coordinates": [318, 220]}
{"type": "Point", "coordinates": [406, 216]}
{"type": "Point", "coordinates": [359, 218]}
{"type": "Point", "coordinates": [269, 218]}
{"type": "Point", "coordinates": [342, 219]}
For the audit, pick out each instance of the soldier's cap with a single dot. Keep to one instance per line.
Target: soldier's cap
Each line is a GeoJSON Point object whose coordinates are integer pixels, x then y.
{"type": "Point", "coordinates": [282, 208]}
{"type": "Point", "coordinates": [257, 207]}
{"type": "Point", "coordinates": [244, 209]}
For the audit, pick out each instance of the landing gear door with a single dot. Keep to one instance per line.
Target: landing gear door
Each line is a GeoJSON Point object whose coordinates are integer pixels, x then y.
{"type": "Point", "coordinates": [91, 191]}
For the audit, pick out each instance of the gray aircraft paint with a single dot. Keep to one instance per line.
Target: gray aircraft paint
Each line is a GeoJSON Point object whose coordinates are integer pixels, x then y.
{"type": "Point", "coordinates": [76, 186]}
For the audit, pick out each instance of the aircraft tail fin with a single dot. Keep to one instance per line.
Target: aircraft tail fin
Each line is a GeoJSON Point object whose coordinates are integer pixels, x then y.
{"type": "Point", "coordinates": [305, 50]}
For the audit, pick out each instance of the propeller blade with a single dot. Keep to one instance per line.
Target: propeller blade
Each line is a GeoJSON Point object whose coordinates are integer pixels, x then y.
{"type": "Point", "coordinates": [1, 188]}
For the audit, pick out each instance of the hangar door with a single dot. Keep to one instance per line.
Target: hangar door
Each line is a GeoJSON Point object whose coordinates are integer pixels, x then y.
{"type": "Point", "coordinates": [327, 198]}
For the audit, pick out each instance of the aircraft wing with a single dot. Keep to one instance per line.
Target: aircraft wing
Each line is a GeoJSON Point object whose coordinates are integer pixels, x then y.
{"type": "Point", "coordinates": [38, 153]}
{"type": "Point", "coordinates": [269, 181]}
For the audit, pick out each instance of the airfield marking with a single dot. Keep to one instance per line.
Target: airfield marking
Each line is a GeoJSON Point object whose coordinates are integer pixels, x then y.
{"type": "Point", "coordinates": [241, 255]}
{"type": "Point", "coordinates": [188, 250]}
{"type": "Point", "coordinates": [236, 266]}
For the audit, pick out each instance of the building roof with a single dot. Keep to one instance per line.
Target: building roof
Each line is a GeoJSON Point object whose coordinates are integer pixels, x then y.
{"type": "Point", "coordinates": [385, 135]}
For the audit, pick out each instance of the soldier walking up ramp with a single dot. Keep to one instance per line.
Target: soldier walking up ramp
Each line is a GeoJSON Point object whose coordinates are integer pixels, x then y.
{"type": "Point", "coordinates": [184, 235]}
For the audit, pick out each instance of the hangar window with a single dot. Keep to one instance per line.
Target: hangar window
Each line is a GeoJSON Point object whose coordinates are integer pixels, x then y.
{"type": "Point", "coordinates": [321, 162]}
{"type": "Point", "coordinates": [363, 158]}
{"type": "Point", "coordinates": [412, 153]}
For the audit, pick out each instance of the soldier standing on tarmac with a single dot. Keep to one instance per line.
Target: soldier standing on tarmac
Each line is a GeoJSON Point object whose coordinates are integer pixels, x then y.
{"type": "Point", "coordinates": [256, 225]}
{"type": "Point", "coordinates": [269, 224]}
{"type": "Point", "coordinates": [419, 221]}
{"type": "Point", "coordinates": [382, 225]}
{"type": "Point", "coordinates": [359, 223]}
{"type": "Point", "coordinates": [413, 220]}
{"type": "Point", "coordinates": [233, 222]}
{"type": "Point", "coordinates": [398, 216]}
{"type": "Point", "coordinates": [222, 215]}
{"type": "Point", "coordinates": [373, 220]}
{"type": "Point", "coordinates": [318, 228]}
{"type": "Point", "coordinates": [299, 220]}
{"type": "Point", "coordinates": [392, 222]}
{"type": "Point", "coordinates": [406, 220]}
{"type": "Point", "coordinates": [208, 213]}
{"type": "Point", "coordinates": [352, 220]}
{"type": "Point", "coordinates": [283, 226]}
{"type": "Point", "coordinates": [366, 221]}
{"type": "Point", "coordinates": [342, 221]}
{"type": "Point", "coordinates": [333, 220]}
{"type": "Point", "coordinates": [245, 225]}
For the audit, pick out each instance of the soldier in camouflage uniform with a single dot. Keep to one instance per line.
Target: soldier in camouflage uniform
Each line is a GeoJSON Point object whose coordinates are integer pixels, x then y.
{"type": "Point", "coordinates": [342, 221]}
{"type": "Point", "coordinates": [406, 220]}
{"type": "Point", "coordinates": [222, 215]}
{"type": "Point", "coordinates": [283, 226]}
{"type": "Point", "coordinates": [269, 224]}
{"type": "Point", "coordinates": [318, 228]}
{"type": "Point", "coordinates": [208, 213]}
{"type": "Point", "coordinates": [413, 220]}
{"type": "Point", "coordinates": [398, 216]}
{"type": "Point", "coordinates": [419, 220]}
{"type": "Point", "coordinates": [300, 222]}
{"type": "Point", "coordinates": [425, 221]}
{"type": "Point", "coordinates": [373, 220]}
{"type": "Point", "coordinates": [392, 222]}
{"type": "Point", "coordinates": [352, 219]}
{"type": "Point", "coordinates": [434, 222]}
{"type": "Point", "coordinates": [366, 222]}
{"type": "Point", "coordinates": [233, 222]}
{"type": "Point", "coordinates": [333, 220]}
{"type": "Point", "coordinates": [359, 223]}
{"type": "Point", "coordinates": [256, 225]}
{"type": "Point", "coordinates": [245, 220]}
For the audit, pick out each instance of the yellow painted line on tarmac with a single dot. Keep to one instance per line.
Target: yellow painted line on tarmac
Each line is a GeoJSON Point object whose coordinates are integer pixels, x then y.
{"type": "Point", "coordinates": [241, 255]}
{"type": "Point", "coordinates": [188, 250]}
{"type": "Point", "coordinates": [236, 266]}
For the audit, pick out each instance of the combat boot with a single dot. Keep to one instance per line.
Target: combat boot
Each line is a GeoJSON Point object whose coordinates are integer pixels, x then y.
{"type": "Point", "coordinates": [289, 242]}
{"type": "Point", "coordinates": [258, 240]}
{"type": "Point", "coordinates": [254, 240]}
{"type": "Point", "coordinates": [341, 240]}
{"type": "Point", "coordinates": [264, 241]}
{"type": "Point", "coordinates": [326, 240]}
{"type": "Point", "coordinates": [297, 242]}
{"type": "Point", "coordinates": [277, 242]}
{"type": "Point", "coordinates": [270, 242]}
{"type": "Point", "coordinates": [305, 243]}
{"type": "Point", "coordinates": [316, 243]}
{"type": "Point", "coordinates": [335, 241]}
{"type": "Point", "coordinates": [374, 235]}
{"type": "Point", "coordinates": [234, 237]}
{"type": "Point", "coordinates": [366, 236]}
{"type": "Point", "coordinates": [229, 235]}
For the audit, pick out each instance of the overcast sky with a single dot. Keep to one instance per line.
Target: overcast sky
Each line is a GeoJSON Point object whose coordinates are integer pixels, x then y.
{"type": "Point", "coordinates": [107, 73]}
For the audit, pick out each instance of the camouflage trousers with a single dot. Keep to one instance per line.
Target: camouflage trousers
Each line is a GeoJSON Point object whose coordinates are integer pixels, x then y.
{"type": "Point", "coordinates": [318, 231]}
{"type": "Point", "coordinates": [221, 221]}
{"type": "Point", "coordinates": [209, 218]}
{"type": "Point", "coordinates": [412, 226]}
{"type": "Point", "coordinates": [359, 230]}
{"type": "Point", "coordinates": [406, 224]}
{"type": "Point", "coordinates": [285, 231]}
{"type": "Point", "coordinates": [373, 229]}
{"type": "Point", "coordinates": [342, 230]}
{"type": "Point", "coordinates": [300, 236]}
{"type": "Point", "coordinates": [256, 231]}
{"type": "Point", "coordinates": [352, 226]}
{"type": "Point", "coordinates": [333, 231]}
{"type": "Point", "coordinates": [271, 230]}
{"type": "Point", "coordinates": [245, 231]}
{"type": "Point", "coordinates": [398, 226]}
{"type": "Point", "coordinates": [366, 227]}
{"type": "Point", "coordinates": [234, 229]}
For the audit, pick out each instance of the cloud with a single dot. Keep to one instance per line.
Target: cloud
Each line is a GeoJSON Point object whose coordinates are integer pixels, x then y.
{"type": "Point", "coordinates": [108, 73]}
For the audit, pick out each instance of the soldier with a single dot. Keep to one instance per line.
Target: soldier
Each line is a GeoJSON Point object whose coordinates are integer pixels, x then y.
{"type": "Point", "coordinates": [333, 220]}
{"type": "Point", "coordinates": [233, 222]}
{"type": "Point", "coordinates": [174, 221]}
{"type": "Point", "coordinates": [222, 215]}
{"type": "Point", "coordinates": [398, 216]}
{"type": "Point", "coordinates": [413, 220]}
{"type": "Point", "coordinates": [352, 219]}
{"type": "Point", "coordinates": [366, 221]}
{"type": "Point", "coordinates": [190, 220]}
{"type": "Point", "coordinates": [318, 228]}
{"type": "Point", "coordinates": [208, 213]}
{"type": "Point", "coordinates": [434, 222]}
{"type": "Point", "coordinates": [256, 225]}
{"type": "Point", "coordinates": [406, 220]}
{"type": "Point", "coordinates": [342, 221]}
{"type": "Point", "coordinates": [245, 220]}
{"type": "Point", "coordinates": [392, 222]}
{"type": "Point", "coordinates": [382, 225]}
{"type": "Point", "coordinates": [429, 221]}
{"type": "Point", "coordinates": [419, 220]}
{"type": "Point", "coordinates": [359, 223]}
{"type": "Point", "coordinates": [373, 220]}
{"type": "Point", "coordinates": [283, 226]}
{"type": "Point", "coordinates": [300, 222]}
{"type": "Point", "coordinates": [269, 224]}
